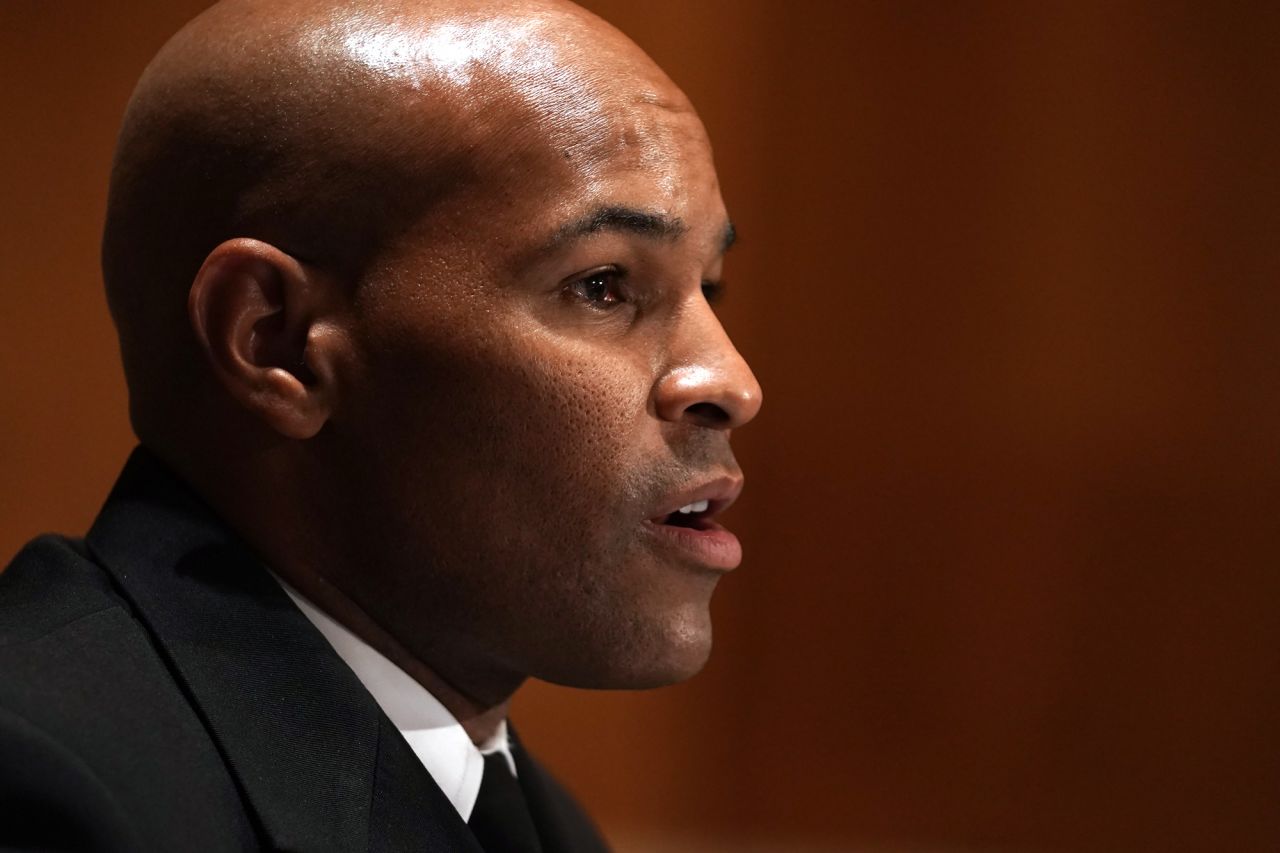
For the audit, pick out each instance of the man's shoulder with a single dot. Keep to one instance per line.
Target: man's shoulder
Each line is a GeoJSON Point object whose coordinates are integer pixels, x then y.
{"type": "Point", "coordinates": [66, 629]}
{"type": "Point", "coordinates": [97, 742]}
{"type": "Point", "coordinates": [50, 585]}
{"type": "Point", "coordinates": [70, 644]}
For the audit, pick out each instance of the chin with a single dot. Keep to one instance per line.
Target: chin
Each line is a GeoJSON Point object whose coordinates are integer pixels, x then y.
{"type": "Point", "coordinates": [658, 658]}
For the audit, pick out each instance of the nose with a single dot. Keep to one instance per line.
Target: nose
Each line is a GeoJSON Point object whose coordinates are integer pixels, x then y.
{"type": "Point", "coordinates": [708, 383]}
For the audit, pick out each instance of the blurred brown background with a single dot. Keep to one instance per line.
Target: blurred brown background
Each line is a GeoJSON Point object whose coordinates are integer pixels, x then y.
{"type": "Point", "coordinates": [1009, 278]}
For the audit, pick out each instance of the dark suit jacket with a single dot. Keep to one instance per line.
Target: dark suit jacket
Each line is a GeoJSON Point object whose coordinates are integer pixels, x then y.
{"type": "Point", "coordinates": [159, 691]}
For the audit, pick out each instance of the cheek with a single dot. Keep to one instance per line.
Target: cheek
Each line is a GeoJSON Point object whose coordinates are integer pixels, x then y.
{"type": "Point", "coordinates": [569, 439]}
{"type": "Point", "coordinates": [522, 451]}
{"type": "Point", "coordinates": [518, 476]}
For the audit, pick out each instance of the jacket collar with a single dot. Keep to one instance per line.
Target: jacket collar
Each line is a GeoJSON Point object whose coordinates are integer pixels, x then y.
{"type": "Point", "coordinates": [319, 765]}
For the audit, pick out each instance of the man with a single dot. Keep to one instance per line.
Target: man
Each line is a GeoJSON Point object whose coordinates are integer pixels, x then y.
{"type": "Point", "coordinates": [414, 305]}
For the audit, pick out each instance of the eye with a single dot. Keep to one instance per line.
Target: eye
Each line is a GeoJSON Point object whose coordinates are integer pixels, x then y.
{"type": "Point", "coordinates": [602, 289]}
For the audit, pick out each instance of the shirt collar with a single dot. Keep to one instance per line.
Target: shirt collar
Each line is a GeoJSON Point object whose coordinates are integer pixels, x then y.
{"type": "Point", "coordinates": [435, 736]}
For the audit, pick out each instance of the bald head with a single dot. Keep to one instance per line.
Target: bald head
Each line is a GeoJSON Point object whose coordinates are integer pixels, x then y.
{"type": "Point", "coordinates": [328, 129]}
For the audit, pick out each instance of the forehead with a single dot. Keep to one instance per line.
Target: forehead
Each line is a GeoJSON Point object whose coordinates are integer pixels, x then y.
{"type": "Point", "coordinates": [641, 130]}
{"type": "Point", "coordinates": [634, 140]}
{"type": "Point", "coordinates": [554, 122]}
{"type": "Point", "coordinates": [542, 161]}
{"type": "Point", "coordinates": [645, 169]}
{"type": "Point", "coordinates": [561, 67]}
{"type": "Point", "coordinates": [644, 173]}
{"type": "Point", "coordinates": [593, 115]}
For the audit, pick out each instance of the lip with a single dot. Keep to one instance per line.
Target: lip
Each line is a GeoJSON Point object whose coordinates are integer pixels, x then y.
{"type": "Point", "coordinates": [719, 493]}
{"type": "Point", "coordinates": [710, 544]}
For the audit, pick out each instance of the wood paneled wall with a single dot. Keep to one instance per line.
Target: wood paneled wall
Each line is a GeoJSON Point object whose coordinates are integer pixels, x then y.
{"type": "Point", "coordinates": [1010, 277]}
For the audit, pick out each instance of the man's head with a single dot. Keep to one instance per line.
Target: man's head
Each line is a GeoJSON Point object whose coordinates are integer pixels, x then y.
{"type": "Point", "coordinates": [417, 294]}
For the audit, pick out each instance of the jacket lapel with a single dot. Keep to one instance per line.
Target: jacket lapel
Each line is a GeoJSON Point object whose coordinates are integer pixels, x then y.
{"type": "Point", "coordinates": [319, 765]}
{"type": "Point", "coordinates": [400, 780]}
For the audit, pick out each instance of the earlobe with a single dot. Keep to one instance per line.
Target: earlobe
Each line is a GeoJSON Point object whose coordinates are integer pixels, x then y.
{"type": "Point", "coordinates": [259, 317]}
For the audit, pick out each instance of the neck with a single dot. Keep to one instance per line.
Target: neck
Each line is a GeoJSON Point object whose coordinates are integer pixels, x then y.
{"type": "Point", "coordinates": [480, 719]}
{"type": "Point", "coordinates": [477, 697]}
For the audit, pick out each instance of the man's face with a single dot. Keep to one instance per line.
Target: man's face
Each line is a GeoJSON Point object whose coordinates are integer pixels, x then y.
{"type": "Point", "coordinates": [542, 383]}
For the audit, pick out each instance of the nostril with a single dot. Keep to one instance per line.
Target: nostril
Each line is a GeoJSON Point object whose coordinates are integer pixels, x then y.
{"type": "Point", "coordinates": [708, 415]}
{"type": "Point", "coordinates": [713, 397]}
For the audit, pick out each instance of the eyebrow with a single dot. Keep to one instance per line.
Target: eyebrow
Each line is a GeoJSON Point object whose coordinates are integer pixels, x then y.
{"type": "Point", "coordinates": [629, 220]}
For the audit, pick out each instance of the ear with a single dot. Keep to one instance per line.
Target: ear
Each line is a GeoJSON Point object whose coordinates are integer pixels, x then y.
{"type": "Point", "coordinates": [266, 325]}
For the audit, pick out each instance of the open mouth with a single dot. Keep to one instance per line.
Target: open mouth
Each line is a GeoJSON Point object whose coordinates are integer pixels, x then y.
{"type": "Point", "coordinates": [694, 530]}
{"type": "Point", "coordinates": [687, 529]}
{"type": "Point", "coordinates": [694, 516]}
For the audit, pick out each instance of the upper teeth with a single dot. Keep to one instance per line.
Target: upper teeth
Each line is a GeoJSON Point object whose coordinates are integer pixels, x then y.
{"type": "Point", "coordinates": [696, 506]}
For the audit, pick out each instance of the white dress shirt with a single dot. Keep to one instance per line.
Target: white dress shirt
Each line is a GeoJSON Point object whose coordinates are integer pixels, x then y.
{"type": "Point", "coordinates": [436, 737]}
